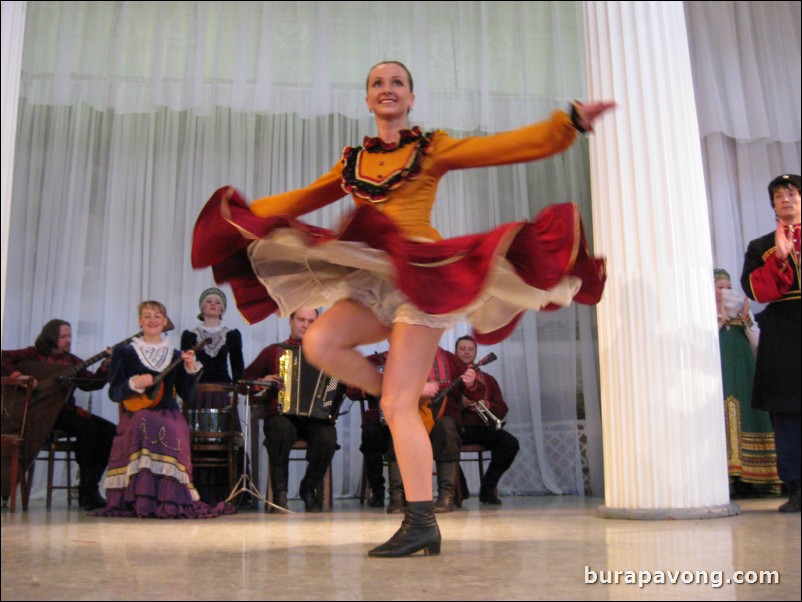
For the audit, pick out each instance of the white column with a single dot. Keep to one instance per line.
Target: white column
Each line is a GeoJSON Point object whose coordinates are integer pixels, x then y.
{"type": "Point", "coordinates": [661, 393]}
{"type": "Point", "coordinates": [13, 27]}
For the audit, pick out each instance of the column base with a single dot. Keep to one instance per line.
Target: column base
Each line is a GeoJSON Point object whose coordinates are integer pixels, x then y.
{"type": "Point", "coordinates": [719, 511]}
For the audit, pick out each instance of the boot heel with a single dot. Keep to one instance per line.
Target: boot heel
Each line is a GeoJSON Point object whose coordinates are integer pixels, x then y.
{"type": "Point", "coordinates": [432, 549]}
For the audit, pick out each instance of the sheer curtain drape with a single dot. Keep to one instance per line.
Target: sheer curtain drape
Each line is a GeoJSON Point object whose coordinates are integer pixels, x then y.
{"type": "Point", "coordinates": [746, 62]}
{"type": "Point", "coordinates": [133, 113]}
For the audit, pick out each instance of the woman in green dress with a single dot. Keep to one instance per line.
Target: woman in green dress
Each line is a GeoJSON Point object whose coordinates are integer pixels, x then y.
{"type": "Point", "coordinates": [751, 458]}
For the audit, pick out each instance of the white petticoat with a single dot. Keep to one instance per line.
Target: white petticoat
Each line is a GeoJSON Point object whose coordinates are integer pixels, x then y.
{"type": "Point", "coordinates": [298, 274]}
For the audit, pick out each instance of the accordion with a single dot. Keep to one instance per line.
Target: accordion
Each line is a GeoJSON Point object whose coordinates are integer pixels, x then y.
{"type": "Point", "coordinates": [307, 391]}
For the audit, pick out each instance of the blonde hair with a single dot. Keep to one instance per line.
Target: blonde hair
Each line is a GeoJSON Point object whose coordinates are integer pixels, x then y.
{"type": "Point", "coordinates": [152, 305]}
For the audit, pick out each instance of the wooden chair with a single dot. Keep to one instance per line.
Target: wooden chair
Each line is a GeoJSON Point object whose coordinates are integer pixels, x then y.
{"type": "Point", "coordinates": [16, 397]}
{"type": "Point", "coordinates": [60, 447]}
{"type": "Point", "coordinates": [324, 495]}
{"type": "Point", "coordinates": [479, 450]}
{"type": "Point", "coordinates": [215, 448]}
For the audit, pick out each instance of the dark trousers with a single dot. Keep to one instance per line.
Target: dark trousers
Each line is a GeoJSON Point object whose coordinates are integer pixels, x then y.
{"type": "Point", "coordinates": [94, 437]}
{"type": "Point", "coordinates": [281, 432]}
{"type": "Point", "coordinates": [787, 441]}
{"type": "Point", "coordinates": [502, 444]}
{"type": "Point", "coordinates": [376, 442]}
{"type": "Point", "coordinates": [446, 437]}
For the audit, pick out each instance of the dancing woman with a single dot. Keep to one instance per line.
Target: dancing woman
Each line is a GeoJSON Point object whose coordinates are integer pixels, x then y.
{"type": "Point", "coordinates": [389, 274]}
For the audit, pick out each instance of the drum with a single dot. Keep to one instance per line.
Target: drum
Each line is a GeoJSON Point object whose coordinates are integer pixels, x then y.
{"type": "Point", "coordinates": [210, 420]}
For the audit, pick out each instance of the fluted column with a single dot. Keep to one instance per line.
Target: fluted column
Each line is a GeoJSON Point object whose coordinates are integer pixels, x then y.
{"type": "Point", "coordinates": [661, 393]}
{"type": "Point", "coordinates": [13, 27]}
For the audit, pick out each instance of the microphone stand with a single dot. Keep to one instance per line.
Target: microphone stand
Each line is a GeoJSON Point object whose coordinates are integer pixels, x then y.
{"type": "Point", "coordinates": [245, 483]}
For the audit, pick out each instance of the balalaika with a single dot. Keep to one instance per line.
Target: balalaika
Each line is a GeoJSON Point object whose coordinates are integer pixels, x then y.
{"type": "Point", "coordinates": [307, 391]}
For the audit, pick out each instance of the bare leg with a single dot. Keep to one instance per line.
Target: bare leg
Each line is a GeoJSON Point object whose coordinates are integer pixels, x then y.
{"type": "Point", "coordinates": [412, 351]}
{"type": "Point", "coordinates": [330, 344]}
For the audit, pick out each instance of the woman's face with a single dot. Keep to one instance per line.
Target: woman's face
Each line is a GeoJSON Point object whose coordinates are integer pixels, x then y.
{"type": "Point", "coordinates": [212, 306]}
{"type": "Point", "coordinates": [720, 286]}
{"type": "Point", "coordinates": [152, 320]}
{"type": "Point", "coordinates": [388, 94]}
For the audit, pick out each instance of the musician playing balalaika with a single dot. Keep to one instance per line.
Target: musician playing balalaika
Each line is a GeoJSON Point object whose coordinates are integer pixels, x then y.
{"type": "Point", "coordinates": [485, 431]}
{"type": "Point", "coordinates": [47, 362]}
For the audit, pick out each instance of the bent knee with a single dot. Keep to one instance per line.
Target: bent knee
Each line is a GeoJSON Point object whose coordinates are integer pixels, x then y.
{"type": "Point", "coordinates": [316, 346]}
{"type": "Point", "coordinates": [395, 408]}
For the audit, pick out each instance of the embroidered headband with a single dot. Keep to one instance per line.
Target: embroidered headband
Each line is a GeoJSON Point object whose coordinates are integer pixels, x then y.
{"type": "Point", "coordinates": [719, 274]}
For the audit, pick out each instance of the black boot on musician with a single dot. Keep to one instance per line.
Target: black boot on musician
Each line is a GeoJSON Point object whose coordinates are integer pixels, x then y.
{"type": "Point", "coordinates": [463, 483]}
{"type": "Point", "coordinates": [794, 503]}
{"type": "Point", "coordinates": [91, 500]}
{"type": "Point", "coordinates": [308, 493]}
{"type": "Point", "coordinates": [487, 492]}
{"type": "Point", "coordinates": [419, 531]}
{"type": "Point", "coordinates": [377, 498]}
{"type": "Point", "coordinates": [279, 475]}
{"type": "Point", "coordinates": [446, 490]}
{"type": "Point", "coordinates": [395, 504]}
{"type": "Point", "coordinates": [89, 497]}
{"type": "Point", "coordinates": [487, 495]}
{"type": "Point", "coordinates": [374, 469]}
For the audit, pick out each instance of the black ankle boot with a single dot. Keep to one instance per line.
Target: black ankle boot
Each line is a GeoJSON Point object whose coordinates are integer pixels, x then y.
{"type": "Point", "coordinates": [419, 531]}
{"type": "Point", "coordinates": [794, 503]}
{"type": "Point", "coordinates": [308, 494]}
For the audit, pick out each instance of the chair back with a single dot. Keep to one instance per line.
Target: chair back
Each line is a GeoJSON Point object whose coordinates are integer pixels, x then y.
{"type": "Point", "coordinates": [16, 398]}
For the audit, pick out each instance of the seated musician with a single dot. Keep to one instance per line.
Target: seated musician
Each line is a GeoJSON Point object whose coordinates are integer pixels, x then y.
{"type": "Point", "coordinates": [446, 435]}
{"type": "Point", "coordinates": [502, 444]}
{"type": "Point", "coordinates": [283, 430]}
{"type": "Point", "coordinates": [150, 467]}
{"type": "Point", "coordinates": [47, 359]}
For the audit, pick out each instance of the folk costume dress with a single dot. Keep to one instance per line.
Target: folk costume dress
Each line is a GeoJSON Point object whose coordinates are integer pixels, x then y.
{"type": "Point", "coordinates": [387, 255]}
{"type": "Point", "coordinates": [751, 457]}
{"type": "Point", "coordinates": [225, 347]}
{"type": "Point", "coordinates": [150, 466]}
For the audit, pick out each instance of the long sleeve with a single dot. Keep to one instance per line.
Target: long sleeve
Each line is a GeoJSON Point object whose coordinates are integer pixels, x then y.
{"type": "Point", "coordinates": [123, 360]}
{"type": "Point", "coordinates": [494, 398]}
{"type": "Point", "coordinates": [234, 341]}
{"type": "Point", "coordinates": [321, 192]}
{"type": "Point", "coordinates": [529, 143]}
{"type": "Point", "coordinates": [766, 278]}
{"type": "Point", "coordinates": [12, 357]}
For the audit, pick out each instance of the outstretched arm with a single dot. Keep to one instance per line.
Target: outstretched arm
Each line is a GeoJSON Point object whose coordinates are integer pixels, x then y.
{"type": "Point", "coordinates": [585, 114]}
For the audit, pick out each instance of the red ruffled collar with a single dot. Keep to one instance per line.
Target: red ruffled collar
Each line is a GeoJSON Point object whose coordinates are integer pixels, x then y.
{"type": "Point", "coordinates": [376, 144]}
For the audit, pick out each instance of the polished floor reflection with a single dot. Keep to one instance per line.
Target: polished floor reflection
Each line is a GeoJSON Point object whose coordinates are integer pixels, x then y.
{"type": "Point", "coordinates": [532, 548]}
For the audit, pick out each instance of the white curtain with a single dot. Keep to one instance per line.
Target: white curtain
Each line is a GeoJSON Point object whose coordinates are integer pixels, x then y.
{"type": "Point", "coordinates": [133, 113]}
{"type": "Point", "coordinates": [746, 62]}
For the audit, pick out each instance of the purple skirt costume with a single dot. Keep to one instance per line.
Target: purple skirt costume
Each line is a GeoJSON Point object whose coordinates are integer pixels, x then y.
{"type": "Point", "coordinates": [150, 465]}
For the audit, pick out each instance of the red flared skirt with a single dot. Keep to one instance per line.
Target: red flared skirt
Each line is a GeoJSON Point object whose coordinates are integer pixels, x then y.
{"type": "Point", "coordinates": [280, 263]}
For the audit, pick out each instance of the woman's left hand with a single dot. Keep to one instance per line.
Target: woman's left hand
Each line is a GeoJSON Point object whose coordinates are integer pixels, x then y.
{"type": "Point", "coordinates": [591, 111]}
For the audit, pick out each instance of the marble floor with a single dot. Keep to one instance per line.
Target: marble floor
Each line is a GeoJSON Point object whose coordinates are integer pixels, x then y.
{"type": "Point", "coordinates": [532, 548]}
